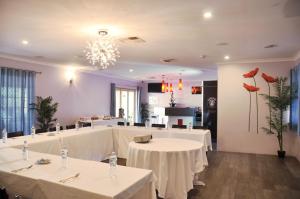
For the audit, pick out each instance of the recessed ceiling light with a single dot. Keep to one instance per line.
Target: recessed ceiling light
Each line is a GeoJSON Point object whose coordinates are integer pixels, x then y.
{"type": "Point", "coordinates": [131, 70]}
{"type": "Point", "coordinates": [25, 42]}
{"type": "Point", "coordinates": [207, 15]}
{"type": "Point", "coordinates": [222, 44]}
{"type": "Point", "coordinates": [271, 46]}
{"type": "Point", "coordinates": [226, 57]}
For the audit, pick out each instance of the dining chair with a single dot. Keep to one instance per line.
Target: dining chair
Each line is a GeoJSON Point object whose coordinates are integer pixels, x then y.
{"type": "Point", "coordinates": [159, 125]}
{"type": "Point", "coordinates": [37, 131]}
{"type": "Point", "coordinates": [199, 127]}
{"type": "Point", "coordinates": [51, 129]}
{"type": "Point", "coordinates": [179, 126]}
{"type": "Point", "coordinates": [18, 196]}
{"type": "Point", "coordinates": [86, 124]}
{"type": "Point", "coordinates": [3, 193]}
{"type": "Point", "coordinates": [15, 134]}
{"type": "Point", "coordinates": [122, 123]}
{"type": "Point", "coordinates": [139, 124]}
{"type": "Point", "coordinates": [71, 126]}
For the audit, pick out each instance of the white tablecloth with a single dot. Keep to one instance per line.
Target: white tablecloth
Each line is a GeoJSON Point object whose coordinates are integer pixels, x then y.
{"type": "Point", "coordinates": [42, 181]}
{"type": "Point", "coordinates": [124, 135]}
{"type": "Point", "coordinates": [173, 161]}
{"type": "Point", "coordinates": [86, 143]}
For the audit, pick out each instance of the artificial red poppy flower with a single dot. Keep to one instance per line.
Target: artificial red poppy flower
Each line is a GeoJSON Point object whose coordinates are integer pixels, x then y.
{"type": "Point", "coordinates": [250, 88]}
{"type": "Point", "coordinates": [251, 74]}
{"type": "Point", "coordinates": [268, 78]}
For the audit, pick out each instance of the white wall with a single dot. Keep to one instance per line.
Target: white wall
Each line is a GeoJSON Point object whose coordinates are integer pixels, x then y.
{"type": "Point", "coordinates": [233, 107]}
{"type": "Point", "coordinates": [88, 95]}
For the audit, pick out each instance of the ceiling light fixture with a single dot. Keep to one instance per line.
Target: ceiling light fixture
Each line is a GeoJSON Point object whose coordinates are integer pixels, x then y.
{"type": "Point", "coordinates": [131, 70]}
{"type": "Point", "coordinates": [226, 57]}
{"type": "Point", "coordinates": [25, 42]}
{"type": "Point", "coordinates": [180, 84]}
{"type": "Point", "coordinates": [207, 15]}
{"type": "Point", "coordinates": [163, 86]}
{"type": "Point", "coordinates": [103, 51]}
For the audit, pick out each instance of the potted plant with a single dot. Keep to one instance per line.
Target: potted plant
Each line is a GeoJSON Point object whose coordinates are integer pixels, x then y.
{"type": "Point", "coordinates": [144, 112]}
{"type": "Point", "coordinates": [45, 109]}
{"type": "Point", "coordinates": [172, 100]}
{"type": "Point", "coordinates": [278, 103]}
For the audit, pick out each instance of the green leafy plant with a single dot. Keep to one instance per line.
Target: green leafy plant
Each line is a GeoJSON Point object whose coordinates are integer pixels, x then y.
{"type": "Point", "coordinates": [144, 112]}
{"type": "Point", "coordinates": [45, 109]}
{"type": "Point", "coordinates": [278, 103]}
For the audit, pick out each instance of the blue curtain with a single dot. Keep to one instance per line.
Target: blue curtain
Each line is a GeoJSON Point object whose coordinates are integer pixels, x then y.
{"type": "Point", "coordinates": [295, 103]}
{"type": "Point", "coordinates": [16, 94]}
{"type": "Point", "coordinates": [113, 99]}
{"type": "Point", "coordinates": [138, 106]}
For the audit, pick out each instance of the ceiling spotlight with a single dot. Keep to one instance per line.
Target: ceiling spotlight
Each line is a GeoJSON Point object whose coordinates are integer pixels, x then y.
{"type": "Point", "coordinates": [207, 15]}
{"type": "Point", "coordinates": [131, 70]}
{"type": "Point", "coordinates": [25, 42]}
{"type": "Point", "coordinates": [226, 57]}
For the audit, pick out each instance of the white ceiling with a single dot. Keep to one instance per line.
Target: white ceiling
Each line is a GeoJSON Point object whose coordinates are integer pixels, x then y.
{"type": "Point", "coordinates": [57, 31]}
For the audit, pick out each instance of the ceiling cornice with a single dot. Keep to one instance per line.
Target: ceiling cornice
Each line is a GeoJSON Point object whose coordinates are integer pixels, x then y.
{"type": "Point", "coordinates": [297, 56]}
{"type": "Point", "coordinates": [48, 64]}
{"type": "Point", "coordinates": [250, 61]}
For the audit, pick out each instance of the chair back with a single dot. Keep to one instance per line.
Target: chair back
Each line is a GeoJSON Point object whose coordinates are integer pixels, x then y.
{"type": "Point", "coordinates": [3, 193]}
{"type": "Point", "coordinates": [122, 123]}
{"type": "Point", "coordinates": [71, 126]}
{"type": "Point", "coordinates": [54, 128]}
{"type": "Point", "coordinates": [37, 131]}
{"type": "Point", "coordinates": [139, 124]}
{"type": "Point", "coordinates": [179, 126]}
{"type": "Point", "coordinates": [15, 134]}
{"type": "Point", "coordinates": [86, 124]}
{"type": "Point", "coordinates": [159, 125]}
{"type": "Point", "coordinates": [199, 127]}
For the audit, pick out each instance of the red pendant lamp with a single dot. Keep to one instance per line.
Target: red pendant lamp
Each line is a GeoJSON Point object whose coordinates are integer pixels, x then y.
{"type": "Point", "coordinates": [171, 88]}
{"type": "Point", "coordinates": [180, 85]}
{"type": "Point", "coordinates": [166, 87]}
{"type": "Point", "coordinates": [163, 86]}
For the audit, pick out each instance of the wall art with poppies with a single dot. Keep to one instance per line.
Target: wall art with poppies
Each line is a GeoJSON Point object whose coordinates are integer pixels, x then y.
{"type": "Point", "coordinates": [252, 88]}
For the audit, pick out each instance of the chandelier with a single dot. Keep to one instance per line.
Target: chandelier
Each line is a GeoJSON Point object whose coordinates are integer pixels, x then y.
{"type": "Point", "coordinates": [102, 52]}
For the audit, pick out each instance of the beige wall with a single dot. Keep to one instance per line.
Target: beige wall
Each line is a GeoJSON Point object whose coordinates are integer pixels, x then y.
{"type": "Point", "coordinates": [233, 107]}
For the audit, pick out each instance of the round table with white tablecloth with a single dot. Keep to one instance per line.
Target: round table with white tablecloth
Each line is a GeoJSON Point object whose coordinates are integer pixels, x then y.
{"type": "Point", "coordinates": [174, 163]}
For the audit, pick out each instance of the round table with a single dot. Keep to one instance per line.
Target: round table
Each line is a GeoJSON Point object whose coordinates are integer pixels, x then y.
{"type": "Point", "coordinates": [174, 163]}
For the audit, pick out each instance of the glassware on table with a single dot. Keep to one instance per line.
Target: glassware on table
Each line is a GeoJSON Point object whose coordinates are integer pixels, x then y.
{"type": "Point", "coordinates": [64, 157]}
{"type": "Point", "coordinates": [25, 150]}
{"type": "Point", "coordinates": [4, 135]}
{"type": "Point", "coordinates": [125, 122]}
{"type": "Point", "coordinates": [147, 122]}
{"type": "Point", "coordinates": [113, 164]}
{"type": "Point", "coordinates": [77, 126]}
{"type": "Point", "coordinates": [57, 127]}
{"type": "Point", "coordinates": [190, 126]}
{"type": "Point", "coordinates": [33, 131]}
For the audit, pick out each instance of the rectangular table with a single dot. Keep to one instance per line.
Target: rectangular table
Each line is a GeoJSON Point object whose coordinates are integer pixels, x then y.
{"type": "Point", "coordinates": [86, 143]}
{"type": "Point", "coordinates": [124, 135]}
{"type": "Point", "coordinates": [94, 182]}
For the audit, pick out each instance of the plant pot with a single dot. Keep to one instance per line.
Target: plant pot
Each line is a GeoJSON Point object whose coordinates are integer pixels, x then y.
{"type": "Point", "coordinates": [172, 104]}
{"type": "Point", "coordinates": [281, 154]}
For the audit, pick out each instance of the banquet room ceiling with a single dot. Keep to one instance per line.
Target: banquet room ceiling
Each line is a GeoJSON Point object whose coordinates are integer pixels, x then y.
{"type": "Point", "coordinates": [57, 32]}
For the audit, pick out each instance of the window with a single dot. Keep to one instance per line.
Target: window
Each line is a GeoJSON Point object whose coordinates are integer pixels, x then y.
{"type": "Point", "coordinates": [126, 99]}
{"type": "Point", "coordinates": [16, 93]}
